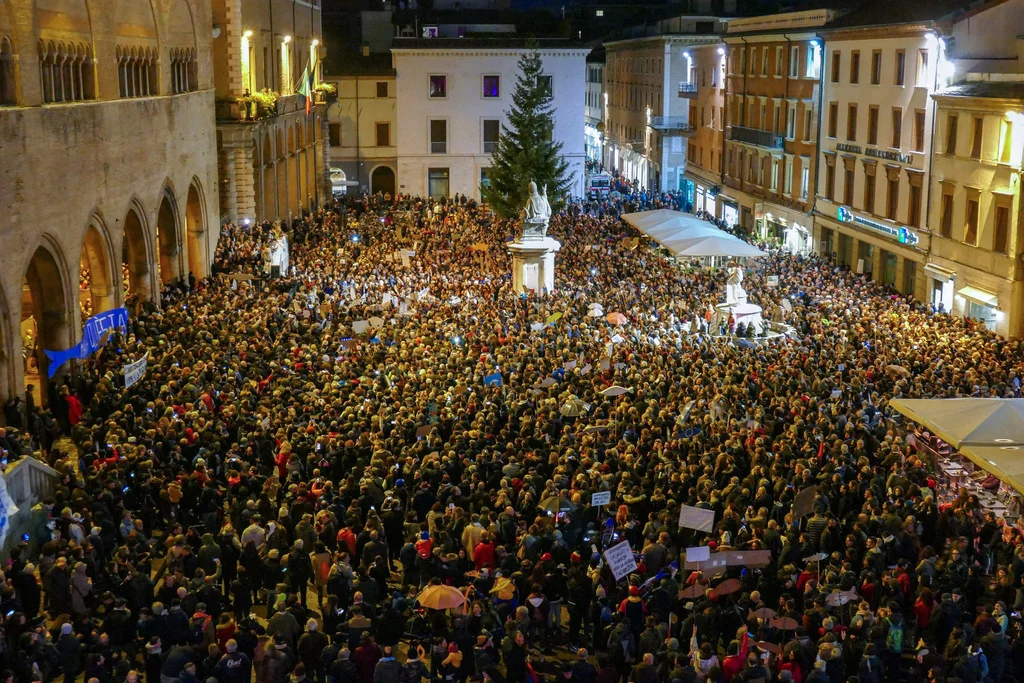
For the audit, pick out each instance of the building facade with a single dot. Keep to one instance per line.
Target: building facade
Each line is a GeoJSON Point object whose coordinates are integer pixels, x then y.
{"type": "Point", "coordinates": [594, 125]}
{"type": "Point", "coordinates": [108, 184]}
{"type": "Point", "coordinates": [273, 154]}
{"type": "Point", "coordinates": [876, 147]}
{"type": "Point", "coordinates": [974, 267]}
{"type": "Point", "coordinates": [453, 97]}
{"type": "Point", "coordinates": [363, 123]}
{"type": "Point", "coordinates": [774, 84]}
{"type": "Point", "coordinates": [704, 90]}
{"type": "Point", "coordinates": [648, 125]}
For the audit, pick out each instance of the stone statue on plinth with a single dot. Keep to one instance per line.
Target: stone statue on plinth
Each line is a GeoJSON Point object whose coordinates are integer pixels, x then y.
{"type": "Point", "coordinates": [734, 292]}
{"type": "Point", "coordinates": [536, 213]}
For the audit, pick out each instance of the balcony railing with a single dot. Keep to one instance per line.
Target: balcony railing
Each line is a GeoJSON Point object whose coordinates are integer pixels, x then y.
{"type": "Point", "coordinates": [676, 124]}
{"type": "Point", "coordinates": [759, 138]}
{"type": "Point", "coordinates": [687, 90]}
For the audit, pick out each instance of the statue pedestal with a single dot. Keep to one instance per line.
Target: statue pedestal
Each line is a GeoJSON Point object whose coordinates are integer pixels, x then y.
{"type": "Point", "coordinates": [533, 263]}
{"type": "Point", "coordinates": [742, 313]}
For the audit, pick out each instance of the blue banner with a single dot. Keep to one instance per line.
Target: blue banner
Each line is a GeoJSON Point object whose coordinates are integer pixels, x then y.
{"type": "Point", "coordinates": [92, 335]}
{"type": "Point", "coordinates": [493, 380]}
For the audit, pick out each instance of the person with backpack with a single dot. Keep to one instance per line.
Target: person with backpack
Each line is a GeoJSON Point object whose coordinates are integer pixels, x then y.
{"type": "Point", "coordinates": [895, 635]}
{"type": "Point", "coordinates": [201, 632]}
{"type": "Point", "coordinates": [871, 669]}
{"type": "Point", "coordinates": [621, 644]}
{"type": "Point", "coordinates": [234, 666]}
{"type": "Point", "coordinates": [539, 609]}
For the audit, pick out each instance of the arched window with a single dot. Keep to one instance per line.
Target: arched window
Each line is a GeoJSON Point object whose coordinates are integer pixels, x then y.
{"type": "Point", "coordinates": [136, 71]}
{"type": "Point", "coordinates": [184, 70]}
{"type": "Point", "coordinates": [6, 72]}
{"type": "Point", "coordinates": [65, 72]}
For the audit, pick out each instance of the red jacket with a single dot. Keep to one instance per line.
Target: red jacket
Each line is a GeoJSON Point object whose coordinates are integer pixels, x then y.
{"type": "Point", "coordinates": [74, 409]}
{"type": "Point", "coordinates": [483, 556]}
{"type": "Point", "coordinates": [733, 664]}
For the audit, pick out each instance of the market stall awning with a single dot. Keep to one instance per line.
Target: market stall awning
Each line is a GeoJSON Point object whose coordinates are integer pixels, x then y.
{"type": "Point", "coordinates": [979, 296]}
{"type": "Point", "coordinates": [716, 245]}
{"type": "Point", "coordinates": [684, 234]}
{"type": "Point", "coordinates": [968, 421]}
{"type": "Point", "coordinates": [1006, 462]}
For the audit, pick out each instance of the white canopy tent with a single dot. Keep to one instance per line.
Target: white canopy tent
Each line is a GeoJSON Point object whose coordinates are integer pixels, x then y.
{"type": "Point", "coordinates": [988, 431]}
{"type": "Point", "coordinates": [968, 421]}
{"type": "Point", "coordinates": [686, 235]}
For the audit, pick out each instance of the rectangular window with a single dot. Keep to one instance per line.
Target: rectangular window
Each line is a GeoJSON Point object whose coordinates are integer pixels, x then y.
{"type": "Point", "coordinates": [546, 84]}
{"type": "Point", "coordinates": [382, 88]}
{"type": "Point", "coordinates": [901, 67]}
{"type": "Point", "coordinates": [791, 120]}
{"type": "Point", "coordinates": [794, 62]}
{"type": "Point", "coordinates": [764, 62]}
{"type": "Point", "coordinates": [778, 61]}
{"type": "Point", "coordinates": [833, 118]}
{"type": "Point", "coordinates": [869, 192]}
{"type": "Point", "coordinates": [773, 182]}
{"type": "Point", "coordinates": [383, 134]}
{"type": "Point", "coordinates": [438, 136]}
{"type": "Point", "coordinates": [851, 123]}
{"type": "Point", "coordinates": [876, 67]}
{"type": "Point", "coordinates": [848, 182]}
{"type": "Point", "coordinates": [1002, 229]}
{"type": "Point", "coordinates": [977, 134]}
{"type": "Point", "coordinates": [855, 67]}
{"type": "Point", "coordinates": [438, 86]}
{"type": "Point", "coordinates": [951, 123]}
{"type": "Point", "coordinates": [836, 60]}
{"type": "Point", "coordinates": [809, 118]}
{"type": "Point", "coordinates": [805, 179]}
{"type": "Point", "coordinates": [897, 127]}
{"type": "Point", "coordinates": [892, 199]}
{"type": "Point", "coordinates": [437, 182]}
{"type": "Point", "coordinates": [491, 128]}
{"type": "Point", "coordinates": [919, 130]}
{"type": "Point", "coordinates": [1005, 141]}
{"type": "Point", "coordinates": [492, 86]}
{"type": "Point", "coordinates": [922, 69]}
{"type": "Point", "coordinates": [753, 60]}
{"type": "Point", "coordinates": [873, 124]}
{"type": "Point", "coordinates": [946, 219]}
{"type": "Point", "coordinates": [334, 133]}
{"type": "Point", "coordinates": [787, 186]}
{"type": "Point", "coordinates": [485, 177]}
{"type": "Point", "coordinates": [830, 182]}
{"type": "Point", "coordinates": [971, 221]}
{"type": "Point", "coordinates": [914, 217]}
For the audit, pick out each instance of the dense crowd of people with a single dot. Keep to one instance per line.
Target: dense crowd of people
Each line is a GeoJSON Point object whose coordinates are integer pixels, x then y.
{"type": "Point", "coordinates": [307, 454]}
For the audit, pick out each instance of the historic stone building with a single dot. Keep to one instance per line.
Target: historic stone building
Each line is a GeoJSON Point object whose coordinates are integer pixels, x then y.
{"type": "Point", "coordinates": [273, 154]}
{"type": "Point", "coordinates": [108, 179]}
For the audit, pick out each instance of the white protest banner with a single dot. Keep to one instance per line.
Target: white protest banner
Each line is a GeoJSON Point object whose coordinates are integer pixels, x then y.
{"type": "Point", "coordinates": [696, 518]}
{"type": "Point", "coordinates": [620, 560]}
{"type": "Point", "coordinates": [700, 553]}
{"type": "Point", "coordinates": [773, 281]}
{"type": "Point", "coordinates": [601, 498]}
{"type": "Point", "coordinates": [360, 326]}
{"type": "Point", "coordinates": [133, 372]}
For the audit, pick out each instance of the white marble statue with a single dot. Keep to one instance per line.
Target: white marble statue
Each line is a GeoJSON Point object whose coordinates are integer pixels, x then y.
{"type": "Point", "coordinates": [536, 213]}
{"type": "Point", "coordinates": [734, 292]}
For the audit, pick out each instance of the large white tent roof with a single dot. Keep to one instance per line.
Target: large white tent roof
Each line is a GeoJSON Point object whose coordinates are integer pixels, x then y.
{"type": "Point", "coordinates": [968, 421]}
{"type": "Point", "coordinates": [686, 235]}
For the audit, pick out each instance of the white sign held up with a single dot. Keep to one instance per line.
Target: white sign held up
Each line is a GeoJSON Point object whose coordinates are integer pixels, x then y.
{"type": "Point", "coordinates": [601, 498]}
{"type": "Point", "coordinates": [133, 372]}
{"type": "Point", "coordinates": [620, 560]}
{"type": "Point", "coordinates": [696, 518]}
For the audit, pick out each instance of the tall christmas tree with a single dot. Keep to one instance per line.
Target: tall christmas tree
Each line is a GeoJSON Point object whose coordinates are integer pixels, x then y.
{"type": "Point", "coordinates": [526, 148]}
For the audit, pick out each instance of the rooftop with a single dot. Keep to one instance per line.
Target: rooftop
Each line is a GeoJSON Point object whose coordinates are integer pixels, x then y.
{"type": "Point", "coordinates": [355, 64]}
{"type": "Point", "coordinates": [888, 13]}
{"type": "Point", "coordinates": [510, 43]}
{"type": "Point", "coordinates": [1008, 90]}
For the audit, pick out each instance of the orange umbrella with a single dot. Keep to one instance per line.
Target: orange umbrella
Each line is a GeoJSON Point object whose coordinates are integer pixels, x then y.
{"type": "Point", "coordinates": [441, 597]}
{"type": "Point", "coordinates": [616, 318]}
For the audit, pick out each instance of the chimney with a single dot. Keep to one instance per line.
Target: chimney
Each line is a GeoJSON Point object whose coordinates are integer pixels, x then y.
{"type": "Point", "coordinates": [366, 49]}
